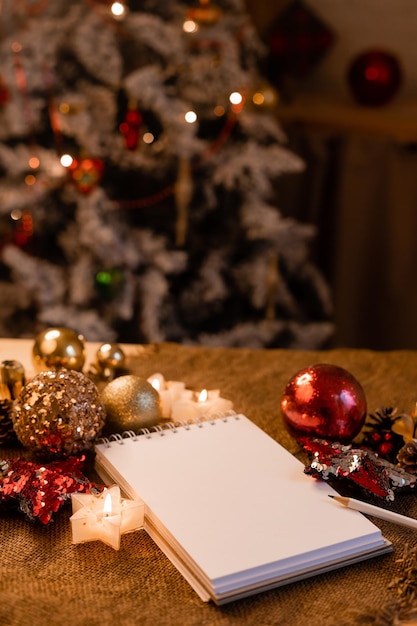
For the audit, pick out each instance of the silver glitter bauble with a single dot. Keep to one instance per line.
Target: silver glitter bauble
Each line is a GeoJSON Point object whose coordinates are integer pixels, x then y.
{"type": "Point", "coordinates": [58, 412]}
{"type": "Point", "coordinates": [131, 403]}
{"type": "Point", "coordinates": [58, 347]}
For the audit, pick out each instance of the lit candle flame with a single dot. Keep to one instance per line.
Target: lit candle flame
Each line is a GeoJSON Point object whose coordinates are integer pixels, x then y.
{"type": "Point", "coordinates": [203, 395]}
{"type": "Point", "coordinates": [107, 507]}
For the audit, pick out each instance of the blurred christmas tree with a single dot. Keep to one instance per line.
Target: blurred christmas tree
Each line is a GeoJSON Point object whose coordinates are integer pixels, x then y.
{"type": "Point", "coordinates": [138, 158]}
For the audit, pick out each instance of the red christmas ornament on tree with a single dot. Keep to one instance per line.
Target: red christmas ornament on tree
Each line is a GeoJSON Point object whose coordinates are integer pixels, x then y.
{"type": "Point", "coordinates": [324, 401]}
{"type": "Point", "coordinates": [374, 77]}
{"type": "Point", "coordinates": [86, 173]}
{"type": "Point", "coordinates": [130, 128]}
{"type": "Point", "coordinates": [4, 92]}
{"type": "Point", "coordinates": [24, 230]}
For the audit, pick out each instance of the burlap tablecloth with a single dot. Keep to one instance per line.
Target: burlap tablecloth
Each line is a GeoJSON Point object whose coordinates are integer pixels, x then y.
{"type": "Point", "coordinates": [45, 580]}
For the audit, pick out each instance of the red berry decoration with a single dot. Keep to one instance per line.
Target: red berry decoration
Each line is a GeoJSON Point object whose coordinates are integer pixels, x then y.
{"type": "Point", "coordinates": [378, 434]}
{"type": "Point", "coordinates": [324, 401]}
{"type": "Point", "coordinates": [130, 128]}
{"type": "Point", "coordinates": [374, 77]}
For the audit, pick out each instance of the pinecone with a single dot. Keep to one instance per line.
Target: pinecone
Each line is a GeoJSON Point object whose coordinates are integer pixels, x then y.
{"type": "Point", "coordinates": [407, 457]}
{"type": "Point", "coordinates": [7, 433]}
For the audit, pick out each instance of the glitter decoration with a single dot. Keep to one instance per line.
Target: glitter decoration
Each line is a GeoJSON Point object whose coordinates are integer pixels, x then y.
{"type": "Point", "coordinates": [58, 412]}
{"type": "Point", "coordinates": [58, 347]}
{"type": "Point", "coordinates": [40, 490]}
{"type": "Point", "coordinates": [361, 467]}
{"type": "Point", "coordinates": [131, 403]}
{"type": "Point", "coordinates": [324, 401]}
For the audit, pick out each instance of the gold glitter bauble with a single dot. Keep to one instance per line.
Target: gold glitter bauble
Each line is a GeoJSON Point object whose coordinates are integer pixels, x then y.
{"type": "Point", "coordinates": [58, 347]}
{"type": "Point", "coordinates": [110, 356]}
{"type": "Point", "coordinates": [58, 412]}
{"type": "Point", "coordinates": [131, 403]}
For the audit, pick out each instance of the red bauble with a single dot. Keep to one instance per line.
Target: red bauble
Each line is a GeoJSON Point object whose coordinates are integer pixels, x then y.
{"type": "Point", "coordinates": [374, 77]}
{"type": "Point", "coordinates": [4, 92]}
{"type": "Point", "coordinates": [324, 401]}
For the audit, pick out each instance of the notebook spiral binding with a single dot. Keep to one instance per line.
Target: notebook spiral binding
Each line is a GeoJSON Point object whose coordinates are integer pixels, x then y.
{"type": "Point", "coordinates": [162, 429]}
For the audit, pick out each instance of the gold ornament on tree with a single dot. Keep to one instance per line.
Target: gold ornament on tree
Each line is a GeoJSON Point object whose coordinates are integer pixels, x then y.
{"type": "Point", "coordinates": [130, 403]}
{"type": "Point", "coordinates": [58, 347]}
{"type": "Point", "coordinates": [264, 97]}
{"type": "Point", "coordinates": [206, 13]}
{"type": "Point", "coordinates": [183, 195]}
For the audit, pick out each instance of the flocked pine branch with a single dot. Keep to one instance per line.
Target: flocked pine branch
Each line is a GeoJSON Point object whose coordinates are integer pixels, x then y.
{"type": "Point", "coordinates": [175, 236]}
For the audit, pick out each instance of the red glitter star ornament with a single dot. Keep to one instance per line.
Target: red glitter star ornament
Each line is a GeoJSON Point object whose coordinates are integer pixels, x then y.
{"type": "Point", "coordinates": [40, 490]}
{"type": "Point", "coordinates": [362, 467]}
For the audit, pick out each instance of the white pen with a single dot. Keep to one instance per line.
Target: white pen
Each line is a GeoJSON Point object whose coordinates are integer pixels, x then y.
{"type": "Point", "coordinates": [376, 511]}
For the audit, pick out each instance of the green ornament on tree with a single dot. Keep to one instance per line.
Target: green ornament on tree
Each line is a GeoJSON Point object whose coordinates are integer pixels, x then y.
{"type": "Point", "coordinates": [109, 282]}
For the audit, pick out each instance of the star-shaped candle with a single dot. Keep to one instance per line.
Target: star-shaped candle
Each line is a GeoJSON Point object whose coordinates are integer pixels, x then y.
{"type": "Point", "coordinates": [170, 391]}
{"type": "Point", "coordinates": [104, 517]}
{"type": "Point", "coordinates": [181, 404]}
{"type": "Point", "coordinates": [207, 402]}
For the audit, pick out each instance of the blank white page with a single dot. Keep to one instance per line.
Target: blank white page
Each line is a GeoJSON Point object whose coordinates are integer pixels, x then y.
{"type": "Point", "coordinates": [236, 502]}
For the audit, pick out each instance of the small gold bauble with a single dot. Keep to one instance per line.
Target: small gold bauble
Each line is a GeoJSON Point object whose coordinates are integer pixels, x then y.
{"type": "Point", "coordinates": [110, 356]}
{"type": "Point", "coordinates": [12, 375]}
{"type": "Point", "coordinates": [130, 403]}
{"type": "Point", "coordinates": [58, 347]}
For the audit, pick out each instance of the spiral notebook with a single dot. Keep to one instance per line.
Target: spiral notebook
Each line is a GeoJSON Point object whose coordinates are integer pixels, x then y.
{"type": "Point", "coordinates": [233, 509]}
